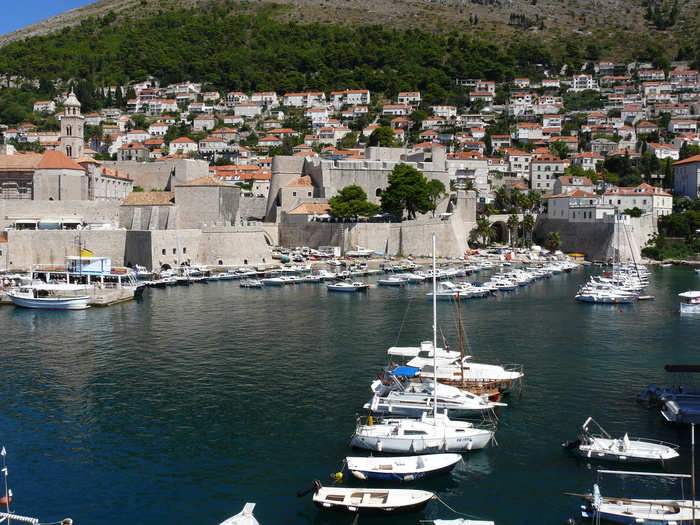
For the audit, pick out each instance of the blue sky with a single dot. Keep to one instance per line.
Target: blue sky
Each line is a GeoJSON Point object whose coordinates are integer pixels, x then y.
{"type": "Point", "coordinates": [20, 13]}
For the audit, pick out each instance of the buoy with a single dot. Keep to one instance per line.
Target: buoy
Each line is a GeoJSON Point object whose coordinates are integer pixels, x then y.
{"type": "Point", "coordinates": [5, 500]}
{"type": "Point", "coordinates": [337, 475]}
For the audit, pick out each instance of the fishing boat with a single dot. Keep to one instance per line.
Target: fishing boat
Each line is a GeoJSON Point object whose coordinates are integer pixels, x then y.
{"type": "Point", "coordinates": [639, 511]}
{"type": "Point", "coordinates": [402, 468]}
{"type": "Point", "coordinates": [51, 296]}
{"type": "Point", "coordinates": [431, 433]}
{"type": "Point", "coordinates": [596, 443]}
{"type": "Point", "coordinates": [244, 517]}
{"type": "Point", "coordinates": [370, 501]}
{"type": "Point", "coordinates": [394, 280]}
{"type": "Point", "coordinates": [691, 302]}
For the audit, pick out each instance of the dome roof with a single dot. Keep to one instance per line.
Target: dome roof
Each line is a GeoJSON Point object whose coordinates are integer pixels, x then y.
{"type": "Point", "coordinates": [71, 100]}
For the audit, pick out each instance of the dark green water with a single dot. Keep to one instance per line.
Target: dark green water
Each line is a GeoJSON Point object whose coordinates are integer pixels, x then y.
{"type": "Point", "coordinates": [180, 407]}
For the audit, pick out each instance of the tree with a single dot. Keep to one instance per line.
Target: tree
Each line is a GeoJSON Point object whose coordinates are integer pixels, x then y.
{"type": "Point", "coordinates": [553, 240]}
{"type": "Point", "coordinates": [407, 190]}
{"type": "Point", "coordinates": [528, 226]}
{"type": "Point", "coordinates": [484, 230]}
{"type": "Point", "coordinates": [501, 198]}
{"type": "Point", "coordinates": [351, 201]}
{"type": "Point", "coordinates": [513, 224]}
{"type": "Point", "coordinates": [382, 136]}
{"type": "Point", "coordinates": [436, 190]}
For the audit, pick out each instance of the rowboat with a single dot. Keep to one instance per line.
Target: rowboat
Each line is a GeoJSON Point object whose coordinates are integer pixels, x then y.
{"type": "Point", "coordinates": [370, 501]}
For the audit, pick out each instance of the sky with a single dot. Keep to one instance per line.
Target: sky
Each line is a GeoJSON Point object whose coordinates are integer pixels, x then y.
{"type": "Point", "coordinates": [21, 13]}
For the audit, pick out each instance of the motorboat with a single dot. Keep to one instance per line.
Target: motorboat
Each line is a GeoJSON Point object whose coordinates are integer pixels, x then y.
{"type": "Point", "coordinates": [596, 443]}
{"type": "Point", "coordinates": [51, 296]}
{"type": "Point", "coordinates": [276, 281]}
{"type": "Point", "coordinates": [347, 286]}
{"type": "Point", "coordinates": [401, 393]}
{"type": "Point", "coordinates": [448, 291]}
{"type": "Point", "coordinates": [360, 251]}
{"type": "Point", "coordinates": [244, 517]}
{"type": "Point", "coordinates": [394, 280]}
{"type": "Point", "coordinates": [401, 468]}
{"type": "Point", "coordinates": [370, 501]}
{"type": "Point", "coordinates": [250, 283]}
{"type": "Point", "coordinates": [691, 302]}
{"type": "Point", "coordinates": [639, 511]}
{"type": "Point", "coordinates": [427, 435]}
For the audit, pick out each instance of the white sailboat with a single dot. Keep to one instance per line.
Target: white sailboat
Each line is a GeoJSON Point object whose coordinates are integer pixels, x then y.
{"type": "Point", "coordinates": [432, 433]}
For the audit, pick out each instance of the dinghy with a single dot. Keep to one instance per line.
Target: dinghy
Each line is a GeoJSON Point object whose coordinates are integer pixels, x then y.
{"type": "Point", "coordinates": [370, 501]}
{"type": "Point", "coordinates": [244, 517]}
{"type": "Point", "coordinates": [402, 468]}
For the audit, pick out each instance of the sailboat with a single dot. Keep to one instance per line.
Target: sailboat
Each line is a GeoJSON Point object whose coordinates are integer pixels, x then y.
{"type": "Point", "coordinates": [431, 433]}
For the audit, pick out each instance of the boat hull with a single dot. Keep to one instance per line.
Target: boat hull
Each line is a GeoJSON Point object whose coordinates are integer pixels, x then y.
{"type": "Point", "coordinates": [371, 502]}
{"type": "Point", "coordinates": [405, 468]}
{"type": "Point", "coordinates": [73, 303]}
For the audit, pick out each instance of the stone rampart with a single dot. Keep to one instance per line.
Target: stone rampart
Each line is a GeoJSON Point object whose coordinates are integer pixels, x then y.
{"type": "Point", "coordinates": [157, 175]}
{"type": "Point", "coordinates": [91, 212]}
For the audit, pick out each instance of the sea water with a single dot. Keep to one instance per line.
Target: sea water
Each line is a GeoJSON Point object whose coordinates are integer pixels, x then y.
{"type": "Point", "coordinates": [181, 406]}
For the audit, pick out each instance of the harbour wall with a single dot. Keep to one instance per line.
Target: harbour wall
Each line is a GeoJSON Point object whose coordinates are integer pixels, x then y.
{"type": "Point", "coordinates": [598, 240]}
{"type": "Point", "coordinates": [91, 212]}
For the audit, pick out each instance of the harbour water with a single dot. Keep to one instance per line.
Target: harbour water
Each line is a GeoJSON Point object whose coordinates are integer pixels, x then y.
{"type": "Point", "coordinates": [183, 405]}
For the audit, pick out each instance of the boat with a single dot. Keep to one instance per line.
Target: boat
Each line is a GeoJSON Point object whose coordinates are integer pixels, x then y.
{"type": "Point", "coordinates": [448, 291]}
{"type": "Point", "coordinates": [347, 286]}
{"type": "Point", "coordinates": [244, 517]}
{"type": "Point", "coordinates": [360, 251]}
{"type": "Point", "coordinates": [394, 280]}
{"type": "Point", "coordinates": [51, 296]}
{"type": "Point", "coordinates": [639, 511]}
{"type": "Point", "coordinates": [402, 468]}
{"type": "Point", "coordinates": [691, 303]}
{"type": "Point", "coordinates": [463, 521]}
{"type": "Point", "coordinates": [370, 501]}
{"type": "Point", "coordinates": [400, 392]}
{"type": "Point", "coordinates": [431, 433]}
{"type": "Point", "coordinates": [276, 281]}
{"type": "Point", "coordinates": [250, 283]}
{"type": "Point", "coordinates": [596, 443]}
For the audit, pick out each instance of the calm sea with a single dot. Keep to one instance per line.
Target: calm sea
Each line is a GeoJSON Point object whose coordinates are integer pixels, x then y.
{"type": "Point", "coordinates": [179, 407]}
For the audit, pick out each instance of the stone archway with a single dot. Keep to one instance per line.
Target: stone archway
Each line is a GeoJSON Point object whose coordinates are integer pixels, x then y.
{"type": "Point", "coordinates": [501, 229]}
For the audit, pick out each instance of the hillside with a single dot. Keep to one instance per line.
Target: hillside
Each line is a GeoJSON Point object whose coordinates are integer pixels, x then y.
{"type": "Point", "coordinates": [608, 29]}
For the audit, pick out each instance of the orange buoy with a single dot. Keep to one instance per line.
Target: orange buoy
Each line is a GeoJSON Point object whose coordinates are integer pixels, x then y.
{"type": "Point", "coordinates": [5, 500]}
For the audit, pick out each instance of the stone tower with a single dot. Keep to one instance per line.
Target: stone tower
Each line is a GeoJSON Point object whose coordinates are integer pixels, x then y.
{"type": "Point", "coordinates": [72, 141]}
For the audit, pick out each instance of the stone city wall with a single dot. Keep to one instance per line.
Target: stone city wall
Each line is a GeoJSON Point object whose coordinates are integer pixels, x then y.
{"type": "Point", "coordinates": [92, 212]}
{"type": "Point", "coordinates": [156, 175]}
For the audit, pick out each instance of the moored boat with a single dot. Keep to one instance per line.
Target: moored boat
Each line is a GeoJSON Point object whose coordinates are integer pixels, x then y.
{"type": "Point", "coordinates": [691, 302]}
{"type": "Point", "coordinates": [51, 297]}
{"type": "Point", "coordinates": [244, 517]}
{"type": "Point", "coordinates": [370, 501]}
{"type": "Point", "coordinates": [347, 286]}
{"type": "Point", "coordinates": [402, 468]}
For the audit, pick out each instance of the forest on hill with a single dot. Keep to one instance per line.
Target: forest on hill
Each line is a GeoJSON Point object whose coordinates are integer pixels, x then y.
{"type": "Point", "coordinates": [258, 53]}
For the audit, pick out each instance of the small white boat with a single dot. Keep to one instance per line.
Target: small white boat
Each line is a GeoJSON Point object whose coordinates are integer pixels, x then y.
{"type": "Point", "coordinates": [250, 283]}
{"type": "Point", "coordinates": [244, 517]}
{"type": "Point", "coordinates": [347, 286]}
{"type": "Point", "coordinates": [360, 252]}
{"type": "Point", "coordinates": [691, 304]}
{"type": "Point", "coordinates": [394, 280]}
{"type": "Point", "coordinates": [276, 281]}
{"type": "Point", "coordinates": [448, 291]}
{"type": "Point", "coordinates": [596, 443]}
{"type": "Point", "coordinates": [51, 297]}
{"type": "Point", "coordinates": [639, 511]}
{"type": "Point", "coordinates": [402, 468]}
{"type": "Point", "coordinates": [370, 501]}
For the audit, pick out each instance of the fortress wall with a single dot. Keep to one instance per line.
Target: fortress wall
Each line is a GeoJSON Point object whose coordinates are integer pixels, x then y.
{"type": "Point", "coordinates": [156, 175]}
{"type": "Point", "coordinates": [92, 212]}
{"type": "Point", "coordinates": [27, 247]}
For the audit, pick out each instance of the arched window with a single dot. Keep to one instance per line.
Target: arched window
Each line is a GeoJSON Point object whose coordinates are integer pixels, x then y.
{"type": "Point", "coordinates": [378, 192]}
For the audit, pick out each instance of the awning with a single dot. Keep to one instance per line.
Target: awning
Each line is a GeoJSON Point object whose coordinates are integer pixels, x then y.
{"type": "Point", "coordinates": [408, 371]}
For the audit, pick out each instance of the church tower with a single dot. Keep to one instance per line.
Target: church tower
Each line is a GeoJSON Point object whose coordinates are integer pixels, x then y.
{"type": "Point", "coordinates": [72, 141]}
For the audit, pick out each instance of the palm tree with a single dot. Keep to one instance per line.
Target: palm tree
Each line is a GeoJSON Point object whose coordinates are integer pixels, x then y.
{"type": "Point", "coordinates": [487, 210]}
{"type": "Point", "coordinates": [471, 186]}
{"type": "Point", "coordinates": [516, 197]}
{"type": "Point", "coordinates": [553, 240]}
{"type": "Point", "coordinates": [534, 199]}
{"type": "Point", "coordinates": [484, 230]}
{"type": "Point", "coordinates": [501, 198]}
{"type": "Point", "coordinates": [528, 226]}
{"type": "Point", "coordinates": [513, 224]}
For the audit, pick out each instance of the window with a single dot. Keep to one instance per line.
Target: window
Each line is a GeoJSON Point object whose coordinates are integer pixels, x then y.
{"type": "Point", "coordinates": [308, 194]}
{"type": "Point", "coordinates": [163, 252]}
{"type": "Point", "coordinates": [174, 251]}
{"type": "Point", "coordinates": [294, 194]}
{"type": "Point", "coordinates": [184, 250]}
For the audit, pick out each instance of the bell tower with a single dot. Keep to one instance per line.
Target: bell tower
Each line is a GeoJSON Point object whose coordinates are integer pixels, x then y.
{"type": "Point", "coordinates": [72, 141]}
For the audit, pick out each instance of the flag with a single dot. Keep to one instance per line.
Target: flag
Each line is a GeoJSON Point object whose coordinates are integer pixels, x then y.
{"type": "Point", "coordinates": [85, 253]}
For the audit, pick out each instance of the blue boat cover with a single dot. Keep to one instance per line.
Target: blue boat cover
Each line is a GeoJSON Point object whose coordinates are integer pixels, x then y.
{"type": "Point", "coordinates": [409, 371]}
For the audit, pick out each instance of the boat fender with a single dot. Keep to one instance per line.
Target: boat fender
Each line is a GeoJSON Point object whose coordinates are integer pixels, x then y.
{"type": "Point", "coordinates": [5, 500]}
{"type": "Point", "coordinates": [470, 444]}
{"type": "Point", "coordinates": [370, 421]}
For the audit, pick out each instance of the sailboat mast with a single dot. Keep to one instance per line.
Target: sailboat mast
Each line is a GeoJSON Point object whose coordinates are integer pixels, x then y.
{"type": "Point", "coordinates": [435, 371]}
{"type": "Point", "coordinates": [461, 341]}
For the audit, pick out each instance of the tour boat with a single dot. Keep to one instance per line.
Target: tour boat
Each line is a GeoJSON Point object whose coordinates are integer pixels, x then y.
{"type": "Point", "coordinates": [598, 444]}
{"type": "Point", "coordinates": [51, 297]}
{"type": "Point", "coordinates": [402, 468]}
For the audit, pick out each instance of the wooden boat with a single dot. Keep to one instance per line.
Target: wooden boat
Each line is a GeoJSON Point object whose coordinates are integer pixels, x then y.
{"type": "Point", "coordinates": [244, 517]}
{"type": "Point", "coordinates": [639, 511]}
{"type": "Point", "coordinates": [370, 501]}
{"type": "Point", "coordinates": [596, 443]}
{"type": "Point", "coordinates": [402, 468]}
